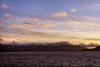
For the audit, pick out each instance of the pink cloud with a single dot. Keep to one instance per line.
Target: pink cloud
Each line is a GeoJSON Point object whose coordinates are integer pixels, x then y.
{"type": "Point", "coordinates": [7, 15]}
{"type": "Point", "coordinates": [4, 6]}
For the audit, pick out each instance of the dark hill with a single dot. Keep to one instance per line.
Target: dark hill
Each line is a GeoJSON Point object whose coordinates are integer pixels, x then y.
{"type": "Point", "coordinates": [41, 48]}
{"type": "Point", "coordinates": [97, 48]}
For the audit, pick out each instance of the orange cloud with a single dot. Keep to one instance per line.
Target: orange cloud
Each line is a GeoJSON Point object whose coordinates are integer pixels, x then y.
{"type": "Point", "coordinates": [34, 19]}
{"type": "Point", "coordinates": [47, 25]}
{"type": "Point", "coordinates": [13, 25]}
{"type": "Point", "coordinates": [1, 40]}
{"type": "Point", "coordinates": [29, 24]}
{"type": "Point", "coordinates": [60, 14]}
{"type": "Point", "coordinates": [4, 6]}
{"type": "Point", "coordinates": [38, 24]}
{"type": "Point", "coordinates": [74, 10]}
{"type": "Point", "coordinates": [7, 15]}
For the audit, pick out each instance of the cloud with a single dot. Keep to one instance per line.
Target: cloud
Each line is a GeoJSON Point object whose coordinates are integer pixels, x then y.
{"type": "Point", "coordinates": [13, 25]}
{"type": "Point", "coordinates": [90, 18]}
{"type": "Point", "coordinates": [74, 10]}
{"type": "Point", "coordinates": [7, 15]}
{"type": "Point", "coordinates": [1, 40]}
{"type": "Point", "coordinates": [47, 25]}
{"type": "Point", "coordinates": [20, 32]}
{"type": "Point", "coordinates": [28, 32]}
{"type": "Point", "coordinates": [27, 17]}
{"type": "Point", "coordinates": [93, 39]}
{"type": "Point", "coordinates": [28, 24]}
{"type": "Point", "coordinates": [1, 24]}
{"type": "Point", "coordinates": [4, 6]}
{"type": "Point", "coordinates": [4, 41]}
{"type": "Point", "coordinates": [38, 24]}
{"type": "Point", "coordinates": [22, 40]}
{"type": "Point", "coordinates": [60, 14]}
{"type": "Point", "coordinates": [34, 19]}
{"type": "Point", "coordinates": [73, 21]}
{"type": "Point", "coordinates": [89, 45]}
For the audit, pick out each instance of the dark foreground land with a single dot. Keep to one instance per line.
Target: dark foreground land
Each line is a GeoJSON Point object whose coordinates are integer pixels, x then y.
{"type": "Point", "coordinates": [49, 59]}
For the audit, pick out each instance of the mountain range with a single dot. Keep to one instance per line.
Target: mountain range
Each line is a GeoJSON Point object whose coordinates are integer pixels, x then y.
{"type": "Point", "coordinates": [61, 47]}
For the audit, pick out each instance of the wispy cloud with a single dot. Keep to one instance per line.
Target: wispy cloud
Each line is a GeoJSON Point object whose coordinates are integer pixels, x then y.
{"type": "Point", "coordinates": [13, 25]}
{"type": "Point", "coordinates": [47, 25]}
{"type": "Point", "coordinates": [22, 40]}
{"type": "Point", "coordinates": [74, 10]}
{"type": "Point", "coordinates": [60, 14]}
{"type": "Point", "coordinates": [92, 39]}
{"type": "Point", "coordinates": [7, 15]}
{"type": "Point", "coordinates": [29, 24]}
{"type": "Point", "coordinates": [4, 6]}
{"type": "Point", "coordinates": [73, 21]}
{"type": "Point", "coordinates": [28, 32]}
{"type": "Point", "coordinates": [34, 19]}
{"type": "Point", "coordinates": [90, 18]}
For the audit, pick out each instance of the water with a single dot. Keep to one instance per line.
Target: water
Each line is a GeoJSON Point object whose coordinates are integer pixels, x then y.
{"type": "Point", "coordinates": [38, 59]}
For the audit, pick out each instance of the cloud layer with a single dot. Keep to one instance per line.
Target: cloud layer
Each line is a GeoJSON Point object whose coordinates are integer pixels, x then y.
{"type": "Point", "coordinates": [29, 24]}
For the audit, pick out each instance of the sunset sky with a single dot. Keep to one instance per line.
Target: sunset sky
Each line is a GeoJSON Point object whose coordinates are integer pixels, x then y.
{"type": "Point", "coordinates": [27, 21]}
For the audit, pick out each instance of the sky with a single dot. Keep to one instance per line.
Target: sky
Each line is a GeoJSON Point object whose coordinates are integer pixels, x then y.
{"type": "Point", "coordinates": [47, 21]}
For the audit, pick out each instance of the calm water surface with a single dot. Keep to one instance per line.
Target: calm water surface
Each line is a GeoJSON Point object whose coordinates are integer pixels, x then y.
{"type": "Point", "coordinates": [38, 59]}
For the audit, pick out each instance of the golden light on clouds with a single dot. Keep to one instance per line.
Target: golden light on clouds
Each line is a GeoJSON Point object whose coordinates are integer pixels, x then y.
{"type": "Point", "coordinates": [74, 10]}
{"type": "Point", "coordinates": [47, 25]}
{"type": "Point", "coordinates": [7, 15]}
{"type": "Point", "coordinates": [1, 40]}
{"type": "Point", "coordinates": [29, 24]}
{"type": "Point", "coordinates": [13, 25]}
{"type": "Point", "coordinates": [34, 19]}
{"type": "Point", "coordinates": [4, 6]}
{"type": "Point", "coordinates": [60, 14]}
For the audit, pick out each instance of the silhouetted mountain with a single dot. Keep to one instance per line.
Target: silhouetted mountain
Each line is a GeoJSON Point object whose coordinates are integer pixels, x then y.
{"type": "Point", "coordinates": [40, 48]}
{"type": "Point", "coordinates": [97, 48]}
